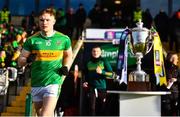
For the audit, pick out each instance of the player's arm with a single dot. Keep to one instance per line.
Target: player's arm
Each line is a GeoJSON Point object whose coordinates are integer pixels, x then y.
{"type": "Point", "coordinates": [108, 72]}
{"type": "Point", "coordinates": [22, 60]}
{"type": "Point", "coordinates": [67, 57]}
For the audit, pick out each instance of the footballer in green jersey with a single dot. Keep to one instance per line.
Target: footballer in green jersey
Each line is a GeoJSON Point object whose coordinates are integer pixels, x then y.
{"type": "Point", "coordinates": [52, 56]}
{"type": "Point", "coordinates": [49, 56]}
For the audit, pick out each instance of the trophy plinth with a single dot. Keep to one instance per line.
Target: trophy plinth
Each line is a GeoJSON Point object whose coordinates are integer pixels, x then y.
{"type": "Point", "coordinates": [138, 80]}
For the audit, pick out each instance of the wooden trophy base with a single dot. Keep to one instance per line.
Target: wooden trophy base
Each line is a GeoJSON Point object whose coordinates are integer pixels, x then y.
{"type": "Point", "coordinates": [138, 86]}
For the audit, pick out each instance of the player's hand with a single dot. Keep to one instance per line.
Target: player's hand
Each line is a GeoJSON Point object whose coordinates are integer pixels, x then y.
{"type": "Point", "coordinates": [31, 58]}
{"type": "Point", "coordinates": [85, 84]}
{"type": "Point", "coordinates": [173, 80]}
{"type": "Point", "coordinates": [99, 70]}
{"type": "Point", "coordinates": [64, 71]}
{"type": "Point", "coordinates": [115, 77]}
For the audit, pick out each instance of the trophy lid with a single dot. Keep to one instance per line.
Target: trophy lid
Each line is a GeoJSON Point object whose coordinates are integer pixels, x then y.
{"type": "Point", "coordinates": [140, 27]}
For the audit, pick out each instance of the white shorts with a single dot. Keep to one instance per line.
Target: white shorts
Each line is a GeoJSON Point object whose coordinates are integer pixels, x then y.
{"type": "Point", "coordinates": [38, 93]}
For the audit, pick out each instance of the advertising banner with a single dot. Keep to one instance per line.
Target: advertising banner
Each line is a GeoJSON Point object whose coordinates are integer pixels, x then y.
{"type": "Point", "coordinates": [108, 40]}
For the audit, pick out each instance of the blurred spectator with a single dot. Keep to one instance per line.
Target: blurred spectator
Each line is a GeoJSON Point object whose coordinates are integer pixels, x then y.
{"type": "Point", "coordinates": [170, 102]}
{"type": "Point", "coordinates": [28, 22]}
{"type": "Point", "coordinates": [5, 15]}
{"type": "Point", "coordinates": [33, 30]}
{"type": "Point", "coordinates": [80, 19]}
{"type": "Point", "coordinates": [4, 33]}
{"type": "Point", "coordinates": [70, 22]}
{"type": "Point", "coordinates": [12, 38]}
{"type": "Point", "coordinates": [117, 20]}
{"type": "Point", "coordinates": [106, 19]}
{"type": "Point", "coordinates": [162, 23]}
{"type": "Point", "coordinates": [174, 31]}
{"type": "Point", "coordinates": [2, 58]}
{"type": "Point", "coordinates": [147, 19]}
{"type": "Point", "coordinates": [31, 22]}
{"type": "Point", "coordinates": [95, 16]}
{"type": "Point", "coordinates": [87, 23]}
{"type": "Point", "coordinates": [137, 15]}
{"type": "Point", "coordinates": [61, 21]}
{"type": "Point", "coordinates": [24, 22]}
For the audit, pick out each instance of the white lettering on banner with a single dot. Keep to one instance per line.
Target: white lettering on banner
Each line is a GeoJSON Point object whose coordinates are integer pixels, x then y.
{"type": "Point", "coordinates": [112, 55]}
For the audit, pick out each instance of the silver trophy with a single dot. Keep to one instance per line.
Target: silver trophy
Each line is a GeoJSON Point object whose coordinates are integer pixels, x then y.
{"type": "Point", "coordinates": [141, 44]}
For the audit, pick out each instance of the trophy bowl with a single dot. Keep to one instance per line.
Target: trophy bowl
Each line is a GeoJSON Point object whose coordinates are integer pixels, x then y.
{"type": "Point", "coordinates": [139, 39]}
{"type": "Point", "coordinates": [141, 44]}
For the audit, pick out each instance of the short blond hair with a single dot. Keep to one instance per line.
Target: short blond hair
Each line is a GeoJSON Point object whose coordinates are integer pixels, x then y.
{"type": "Point", "coordinates": [49, 10]}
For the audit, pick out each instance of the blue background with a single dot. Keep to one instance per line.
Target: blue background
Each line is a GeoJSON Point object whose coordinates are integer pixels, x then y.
{"type": "Point", "coordinates": [25, 7]}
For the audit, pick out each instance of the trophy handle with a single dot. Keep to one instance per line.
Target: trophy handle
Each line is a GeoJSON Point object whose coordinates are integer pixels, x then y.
{"type": "Point", "coordinates": [149, 43]}
{"type": "Point", "coordinates": [130, 41]}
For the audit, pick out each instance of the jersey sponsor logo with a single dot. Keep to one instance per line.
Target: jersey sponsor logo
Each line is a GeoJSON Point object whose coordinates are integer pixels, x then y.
{"type": "Point", "coordinates": [38, 42]}
{"type": "Point", "coordinates": [48, 55]}
{"type": "Point", "coordinates": [58, 42]}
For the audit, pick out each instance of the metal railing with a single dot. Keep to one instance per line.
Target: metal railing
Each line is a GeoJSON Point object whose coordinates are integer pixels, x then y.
{"type": "Point", "coordinates": [4, 81]}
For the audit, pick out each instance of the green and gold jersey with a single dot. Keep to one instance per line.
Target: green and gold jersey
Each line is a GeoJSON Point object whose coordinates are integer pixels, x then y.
{"type": "Point", "coordinates": [49, 50]}
{"type": "Point", "coordinates": [94, 79]}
